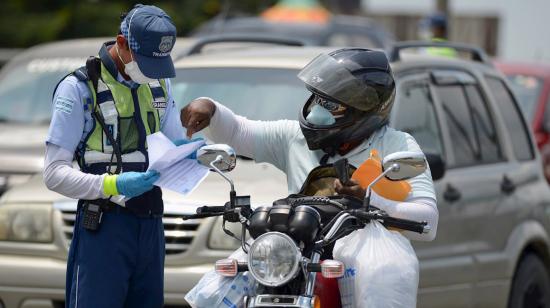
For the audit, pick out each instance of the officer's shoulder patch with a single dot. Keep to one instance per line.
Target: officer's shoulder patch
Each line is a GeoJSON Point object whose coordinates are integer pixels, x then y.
{"type": "Point", "coordinates": [63, 104]}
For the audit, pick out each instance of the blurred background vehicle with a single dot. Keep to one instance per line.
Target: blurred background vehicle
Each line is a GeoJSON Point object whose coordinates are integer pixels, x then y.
{"type": "Point", "coordinates": [7, 53]}
{"type": "Point", "coordinates": [338, 30]}
{"type": "Point", "coordinates": [492, 244]}
{"type": "Point", "coordinates": [191, 246]}
{"type": "Point", "coordinates": [26, 86]}
{"type": "Point", "coordinates": [305, 20]}
{"type": "Point", "coordinates": [531, 84]}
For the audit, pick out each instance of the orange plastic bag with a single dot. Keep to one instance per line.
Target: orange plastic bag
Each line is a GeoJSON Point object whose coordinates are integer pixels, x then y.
{"type": "Point", "coordinates": [372, 168]}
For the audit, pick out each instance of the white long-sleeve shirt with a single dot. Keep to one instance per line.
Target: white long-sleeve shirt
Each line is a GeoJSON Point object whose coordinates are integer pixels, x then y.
{"type": "Point", "coordinates": [282, 144]}
{"type": "Point", "coordinates": [61, 177]}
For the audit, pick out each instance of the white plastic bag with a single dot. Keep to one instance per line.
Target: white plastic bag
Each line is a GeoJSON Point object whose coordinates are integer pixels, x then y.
{"type": "Point", "coordinates": [381, 269]}
{"type": "Point", "coordinates": [214, 290]}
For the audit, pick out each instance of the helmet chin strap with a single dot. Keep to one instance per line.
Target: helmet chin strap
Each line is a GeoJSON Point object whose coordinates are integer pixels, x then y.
{"type": "Point", "coordinates": [342, 149]}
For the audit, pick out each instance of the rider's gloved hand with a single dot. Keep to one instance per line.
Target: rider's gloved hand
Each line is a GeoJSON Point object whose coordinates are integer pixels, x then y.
{"type": "Point", "coordinates": [196, 115]}
{"type": "Point", "coordinates": [130, 184]}
{"type": "Point", "coordinates": [354, 189]}
{"type": "Point", "coordinates": [186, 141]}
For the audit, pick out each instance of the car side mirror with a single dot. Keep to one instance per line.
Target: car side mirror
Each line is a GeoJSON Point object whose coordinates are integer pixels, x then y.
{"type": "Point", "coordinates": [404, 165]}
{"type": "Point", "coordinates": [217, 156]}
{"type": "Point", "coordinates": [437, 165]}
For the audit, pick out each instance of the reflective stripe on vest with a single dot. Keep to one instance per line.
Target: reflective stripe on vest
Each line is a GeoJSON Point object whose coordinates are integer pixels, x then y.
{"type": "Point", "coordinates": [93, 157]}
{"type": "Point", "coordinates": [115, 101]}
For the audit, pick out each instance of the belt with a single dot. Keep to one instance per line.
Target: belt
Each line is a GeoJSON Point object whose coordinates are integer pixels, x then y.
{"type": "Point", "coordinates": [107, 206]}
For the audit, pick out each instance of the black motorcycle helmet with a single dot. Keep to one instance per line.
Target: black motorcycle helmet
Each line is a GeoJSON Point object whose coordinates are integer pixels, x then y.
{"type": "Point", "coordinates": [355, 82]}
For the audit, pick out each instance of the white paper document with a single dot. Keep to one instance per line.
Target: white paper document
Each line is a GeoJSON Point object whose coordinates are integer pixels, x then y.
{"type": "Point", "coordinates": [177, 172]}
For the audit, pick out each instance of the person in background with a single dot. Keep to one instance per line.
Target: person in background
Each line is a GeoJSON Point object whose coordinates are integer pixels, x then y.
{"type": "Point", "coordinates": [435, 28]}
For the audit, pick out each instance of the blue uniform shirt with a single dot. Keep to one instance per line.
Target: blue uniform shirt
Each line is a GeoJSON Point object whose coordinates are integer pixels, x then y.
{"type": "Point", "coordinates": [71, 111]}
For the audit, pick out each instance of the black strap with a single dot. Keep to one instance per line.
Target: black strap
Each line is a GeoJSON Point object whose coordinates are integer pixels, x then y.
{"type": "Point", "coordinates": [324, 159]}
{"type": "Point", "coordinates": [93, 68]}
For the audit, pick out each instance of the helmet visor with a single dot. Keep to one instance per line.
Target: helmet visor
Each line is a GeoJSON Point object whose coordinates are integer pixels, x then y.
{"type": "Point", "coordinates": [336, 109]}
{"type": "Point", "coordinates": [329, 77]}
{"type": "Point", "coordinates": [320, 113]}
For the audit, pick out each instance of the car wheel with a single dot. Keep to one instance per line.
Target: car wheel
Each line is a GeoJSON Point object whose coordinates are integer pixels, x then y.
{"type": "Point", "coordinates": [531, 285]}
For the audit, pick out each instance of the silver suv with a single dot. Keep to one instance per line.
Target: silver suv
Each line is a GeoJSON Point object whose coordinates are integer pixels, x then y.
{"type": "Point", "coordinates": [492, 246]}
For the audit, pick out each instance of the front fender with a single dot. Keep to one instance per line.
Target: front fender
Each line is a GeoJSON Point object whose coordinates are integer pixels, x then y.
{"type": "Point", "coordinates": [530, 233]}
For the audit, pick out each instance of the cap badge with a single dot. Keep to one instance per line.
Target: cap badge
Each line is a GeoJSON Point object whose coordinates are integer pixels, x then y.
{"type": "Point", "coordinates": [166, 43]}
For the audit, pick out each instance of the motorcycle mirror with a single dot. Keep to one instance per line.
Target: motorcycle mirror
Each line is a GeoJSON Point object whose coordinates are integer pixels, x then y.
{"type": "Point", "coordinates": [404, 165]}
{"type": "Point", "coordinates": [220, 156]}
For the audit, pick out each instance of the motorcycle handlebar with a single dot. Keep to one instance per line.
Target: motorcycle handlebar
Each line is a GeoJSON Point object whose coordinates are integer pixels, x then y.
{"type": "Point", "coordinates": [403, 224]}
{"type": "Point", "coordinates": [409, 225]}
{"type": "Point", "coordinates": [205, 212]}
{"type": "Point", "coordinates": [198, 216]}
{"type": "Point", "coordinates": [210, 209]}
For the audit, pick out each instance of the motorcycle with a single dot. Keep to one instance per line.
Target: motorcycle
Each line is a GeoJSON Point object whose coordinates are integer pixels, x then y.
{"type": "Point", "coordinates": [290, 237]}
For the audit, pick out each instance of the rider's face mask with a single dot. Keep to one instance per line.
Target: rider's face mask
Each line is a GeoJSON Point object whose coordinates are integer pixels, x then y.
{"type": "Point", "coordinates": [324, 112]}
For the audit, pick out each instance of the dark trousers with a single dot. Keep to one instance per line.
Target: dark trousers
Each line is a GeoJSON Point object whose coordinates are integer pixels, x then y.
{"type": "Point", "coordinates": [119, 265]}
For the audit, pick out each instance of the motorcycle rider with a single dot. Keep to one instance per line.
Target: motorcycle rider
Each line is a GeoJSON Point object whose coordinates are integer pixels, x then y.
{"type": "Point", "coordinates": [353, 91]}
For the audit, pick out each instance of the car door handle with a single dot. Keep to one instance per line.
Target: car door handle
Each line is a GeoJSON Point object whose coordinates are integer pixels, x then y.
{"type": "Point", "coordinates": [451, 194]}
{"type": "Point", "coordinates": [507, 186]}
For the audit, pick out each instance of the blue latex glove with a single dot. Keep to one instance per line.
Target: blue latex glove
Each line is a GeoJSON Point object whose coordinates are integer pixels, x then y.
{"type": "Point", "coordinates": [133, 184]}
{"type": "Point", "coordinates": [186, 141]}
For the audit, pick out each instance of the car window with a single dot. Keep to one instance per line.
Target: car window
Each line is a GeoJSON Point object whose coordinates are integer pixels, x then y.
{"type": "Point", "coordinates": [415, 114]}
{"type": "Point", "coordinates": [527, 90]}
{"type": "Point", "coordinates": [457, 116]}
{"type": "Point", "coordinates": [515, 122]}
{"type": "Point", "coordinates": [26, 90]}
{"type": "Point", "coordinates": [466, 114]}
{"type": "Point", "coordinates": [256, 93]}
{"type": "Point", "coordinates": [484, 126]}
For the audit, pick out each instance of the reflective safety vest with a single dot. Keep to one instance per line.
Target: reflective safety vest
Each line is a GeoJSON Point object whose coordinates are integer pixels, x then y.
{"type": "Point", "coordinates": [441, 51]}
{"type": "Point", "coordinates": [129, 114]}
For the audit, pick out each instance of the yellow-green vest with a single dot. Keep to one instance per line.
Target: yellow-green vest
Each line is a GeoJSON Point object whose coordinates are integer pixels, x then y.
{"type": "Point", "coordinates": [442, 51]}
{"type": "Point", "coordinates": [130, 114]}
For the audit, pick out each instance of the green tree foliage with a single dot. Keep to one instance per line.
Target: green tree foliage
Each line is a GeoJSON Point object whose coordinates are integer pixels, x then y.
{"type": "Point", "coordinates": [25, 23]}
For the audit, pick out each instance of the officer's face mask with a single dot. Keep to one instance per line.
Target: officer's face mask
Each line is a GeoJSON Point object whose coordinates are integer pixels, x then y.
{"type": "Point", "coordinates": [323, 112]}
{"type": "Point", "coordinates": [132, 69]}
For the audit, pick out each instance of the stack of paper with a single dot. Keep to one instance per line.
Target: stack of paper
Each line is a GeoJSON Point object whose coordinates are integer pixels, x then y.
{"type": "Point", "coordinates": [177, 172]}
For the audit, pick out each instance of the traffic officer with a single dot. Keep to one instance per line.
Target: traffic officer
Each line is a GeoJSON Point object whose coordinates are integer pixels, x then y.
{"type": "Point", "coordinates": [102, 114]}
{"type": "Point", "coordinates": [434, 28]}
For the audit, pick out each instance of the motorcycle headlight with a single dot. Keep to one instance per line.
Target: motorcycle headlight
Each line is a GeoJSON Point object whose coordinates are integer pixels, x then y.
{"type": "Point", "coordinates": [273, 259]}
{"type": "Point", "coordinates": [25, 223]}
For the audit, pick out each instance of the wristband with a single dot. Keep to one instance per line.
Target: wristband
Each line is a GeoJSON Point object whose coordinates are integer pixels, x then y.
{"type": "Point", "coordinates": [109, 185]}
